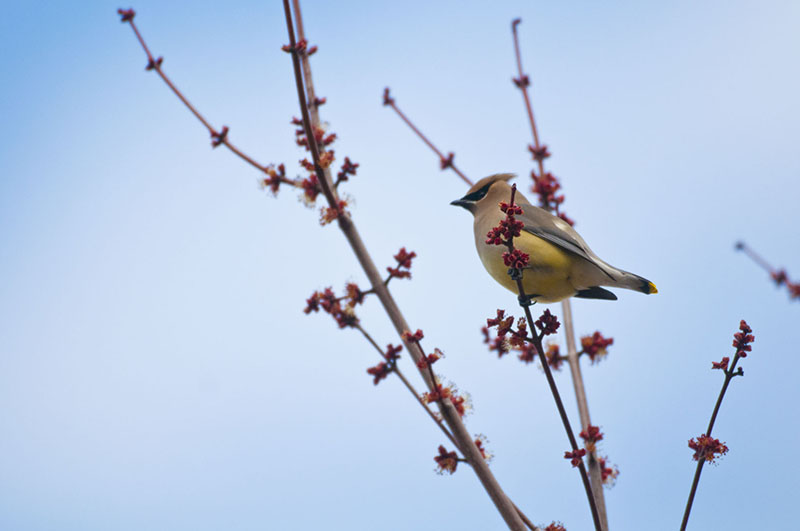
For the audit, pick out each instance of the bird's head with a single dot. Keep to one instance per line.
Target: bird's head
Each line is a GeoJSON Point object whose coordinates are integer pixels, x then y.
{"type": "Point", "coordinates": [485, 191]}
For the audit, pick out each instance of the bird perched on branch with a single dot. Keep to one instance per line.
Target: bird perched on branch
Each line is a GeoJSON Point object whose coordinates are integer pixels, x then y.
{"type": "Point", "coordinates": [561, 264]}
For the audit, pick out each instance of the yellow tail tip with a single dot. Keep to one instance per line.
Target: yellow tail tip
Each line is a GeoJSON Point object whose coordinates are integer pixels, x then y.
{"type": "Point", "coordinates": [652, 287]}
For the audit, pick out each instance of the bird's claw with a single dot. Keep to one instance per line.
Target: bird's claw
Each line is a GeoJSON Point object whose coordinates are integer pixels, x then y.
{"type": "Point", "coordinates": [526, 300]}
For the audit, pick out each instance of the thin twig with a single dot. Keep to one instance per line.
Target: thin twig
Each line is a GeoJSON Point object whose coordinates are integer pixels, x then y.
{"type": "Point", "coordinates": [410, 388]}
{"type": "Point", "coordinates": [219, 137]}
{"type": "Point", "coordinates": [445, 162]}
{"type": "Point", "coordinates": [730, 373]}
{"type": "Point", "coordinates": [523, 81]}
{"type": "Point", "coordinates": [536, 339]}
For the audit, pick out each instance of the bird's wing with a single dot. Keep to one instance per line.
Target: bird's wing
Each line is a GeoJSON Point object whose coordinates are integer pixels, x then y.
{"type": "Point", "coordinates": [555, 230]}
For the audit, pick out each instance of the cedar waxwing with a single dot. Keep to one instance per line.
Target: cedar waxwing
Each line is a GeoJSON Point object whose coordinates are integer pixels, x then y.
{"type": "Point", "coordinates": [561, 264]}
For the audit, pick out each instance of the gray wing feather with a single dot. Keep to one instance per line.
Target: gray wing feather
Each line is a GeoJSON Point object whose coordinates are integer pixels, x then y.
{"type": "Point", "coordinates": [555, 230]}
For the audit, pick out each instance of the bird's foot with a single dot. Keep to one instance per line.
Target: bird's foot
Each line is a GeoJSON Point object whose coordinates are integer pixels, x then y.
{"type": "Point", "coordinates": [526, 300]}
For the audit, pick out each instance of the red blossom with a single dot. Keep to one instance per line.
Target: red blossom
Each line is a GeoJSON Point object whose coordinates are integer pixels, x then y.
{"type": "Point", "coordinates": [348, 168]}
{"type": "Point", "coordinates": [519, 336]}
{"type": "Point", "coordinates": [311, 51]}
{"type": "Point", "coordinates": [555, 526]}
{"type": "Point", "coordinates": [126, 15]}
{"type": "Point", "coordinates": [575, 456]}
{"type": "Point", "coordinates": [522, 81]}
{"type": "Point", "coordinates": [328, 140]}
{"type": "Point", "coordinates": [380, 371]}
{"type": "Point", "coordinates": [296, 121]}
{"type": "Point", "coordinates": [319, 101]}
{"type": "Point", "coordinates": [415, 337]}
{"type": "Point", "coordinates": [403, 269]}
{"type": "Point", "coordinates": [591, 435]}
{"type": "Point", "coordinates": [609, 473]}
{"type": "Point", "coordinates": [722, 364]}
{"type": "Point", "coordinates": [329, 214]}
{"type": "Point", "coordinates": [527, 353]}
{"type": "Point", "coordinates": [707, 448]}
{"type": "Point", "coordinates": [547, 323]}
{"type": "Point", "coordinates": [274, 177]}
{"type": "Point", "coordinates": [516, 259]}
{"type": "Point", "coordinates": [391, 353]}
{"type": "Point", "coordinates": [330, 304]}
{"type": "Point", "coordinates": [311, 188]}
{"type": "Point", "coordinates": [153, 64]}
{"type": "Point", "coordinates": [354, 294]}
{"type": "Point", "coordinates": [387, 98]}
{"type": "Point", "coordinates": [459, 402]}
{"type": "Point", "coordinates": [326, 158]}
{"type": "Point", "coordinates": [480, 442]}
{"type": "Point", "coordinates": [794, 289]}
{"type": "Point", "coordinates": [446, 461]}
{"type": "Point", "coordinates": [430, 359]}
{"type": "Point", "coordinates": [779, 276]}
{"type": "Point", "coordinates": [539, 153]}
{"type": "Point", "coordinates": [596, 346]}
{"type": "Point", "coordinates": [742, 340]}
{"type": "Point", "coordinates": [553, 355]}
{"type": "Point", "coordinates": [220, 137]}
{"type": "Point", "coordinates": [447, 162]}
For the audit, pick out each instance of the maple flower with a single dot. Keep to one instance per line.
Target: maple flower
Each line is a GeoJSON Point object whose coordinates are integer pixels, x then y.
{"type": "Point", "coordinates": [415, 337]}
{"type": "Point", "coordinates": [555, 526]}
{"type": "Point", "coordinates": [446, 461]}
{"type": "Point", "coordinates": [707, 448]}
{"type": "Point", "coordinates": [380, 371]}
{"type": "Point", "coordinates": [553, 355]}
{"type": "Point", "coordinates": [480, 444]}
{"type": "Point", "coordinates": [591, 435]}
{"type": "Point", "coordinates": [722, 364]}
{"type": "Point", "coordinates": [742, 339]}
{"type": "Point", "coordinates": [596, 346]}
{"type": "Point", "coordinates": [403, 269]}
{"type": "Point", "coordinates": [354, 294]}
{"type": "Point", "coordinates": [608, 473]}
{"type": "Point", "coordinates": [430, 359]}
{"type": "Point", "coordinates": [575, 456]}
{"type": "Point", "coordinates": [547, 323]}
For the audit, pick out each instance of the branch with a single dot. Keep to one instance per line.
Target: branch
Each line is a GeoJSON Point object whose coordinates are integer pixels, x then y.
{"type": "Point", "coordinates": [444, 162]}
{"type": "Point", "coordinates": [516, 261]}
{"type": "Point", "coordinates": [540, 153]}
{"type": "Point", "coordinates": [706, 448]}
{"type": "Point", "coordinates": [218, 137]}
{"type": "Point", "coordinates": [778, 275]}
{"type": "Point", "coordinates": [448, 411]}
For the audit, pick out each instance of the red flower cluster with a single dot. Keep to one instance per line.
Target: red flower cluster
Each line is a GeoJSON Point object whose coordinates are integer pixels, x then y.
{"type": "Point", "coordinates": [446, 461]}
{"type": "Point", "coordinates": [498, 343]}
{"type": "Point", "coordinates": [742, 340]}
{"type": "Point", "coordinates": [722, 364]}
{"type": "Point", "coordinates": [415, 337]}
{"type": "Point", "coordinates": [509, 227]}
{"type": "Point", "coordinates": [430, 359]}
{"type": "Point", "coordinates": [555, 526]}
{"type": "Point", "coordinates": [516, 259]}
{"type": "Point", "coordinates": [217, 138]}
{"type": "Point", "coordinates": [274, 177]}
{"type": "Point", "coordinates": [539, 153]}
{"type": "Point", "coordinates": [576, 456]}
{"type": "Point", "coordinates": [310, 186]}
{"type": "Point", "coordinates": [403, 269]}
{"type": "Point", "coordinates": [608, 472]}
{"type": "Point", "coordinates": [441, 392]}
{"type": "Point", "coordinates": [126, 15]}
{"type": "Point", "coordinates": [591, 435]}
{"type": "Point", "coordinates": [330, 214]}
{"type": "Point", "coordinates": [348, 168]}
{"type": "Point", "coordinates": [547, 323]}
{"type": "Point", "coordinates": [707, 448]}
{"type": "Point", "coordinates": [596, 346]}
{"type": "Point", "coordinates": [480, 441]}
{"type": "Point", "coordinates": [330, 304]}
{"type": "Point", "coordinates": [384, 368]}
{"type": "Point", "coordinates": [447, 162]}
{"type": "Point", "coordinates": [553, 355]}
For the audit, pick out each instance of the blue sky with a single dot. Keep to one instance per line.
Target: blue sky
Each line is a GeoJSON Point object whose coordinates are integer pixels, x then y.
{"type": "Point", "coordinates": [157, 371]}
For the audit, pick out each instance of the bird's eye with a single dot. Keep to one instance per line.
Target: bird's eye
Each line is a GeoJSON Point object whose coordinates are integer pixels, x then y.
{"type": "Point", "coordinates": [477, 195]}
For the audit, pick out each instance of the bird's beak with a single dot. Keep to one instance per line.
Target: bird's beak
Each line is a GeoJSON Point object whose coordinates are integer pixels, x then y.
{"type": "Point", "coordinates": [461, 203]}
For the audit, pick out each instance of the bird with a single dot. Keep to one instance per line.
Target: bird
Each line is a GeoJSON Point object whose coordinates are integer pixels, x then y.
{"type": "Point", "coordinates": [561, 263]}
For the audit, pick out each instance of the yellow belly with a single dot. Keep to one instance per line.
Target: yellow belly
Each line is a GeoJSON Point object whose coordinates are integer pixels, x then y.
{"type": "Point", "coordinates": [547, 275]}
